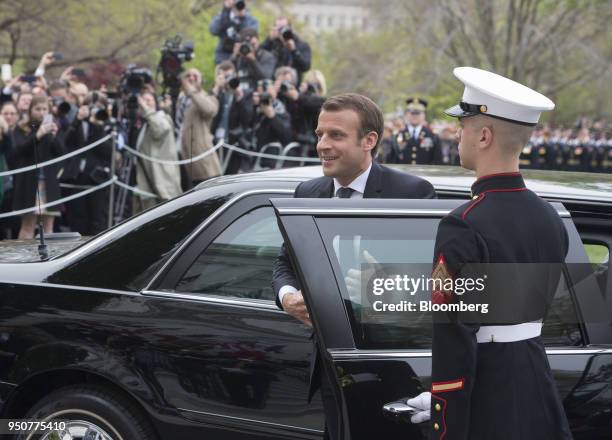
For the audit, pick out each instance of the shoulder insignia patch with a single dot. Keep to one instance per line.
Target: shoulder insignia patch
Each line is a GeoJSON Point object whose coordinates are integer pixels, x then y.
{"type": "Point", "coordinates": [442, 290]}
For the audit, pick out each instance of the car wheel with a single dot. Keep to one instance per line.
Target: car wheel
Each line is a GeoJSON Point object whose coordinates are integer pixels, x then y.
{"type": "Point", "coordinates": [89, 413]}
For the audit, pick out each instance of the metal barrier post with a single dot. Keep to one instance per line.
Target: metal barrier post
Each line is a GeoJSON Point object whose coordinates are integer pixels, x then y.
{"type": "Point", "coordinates": [111, 195]}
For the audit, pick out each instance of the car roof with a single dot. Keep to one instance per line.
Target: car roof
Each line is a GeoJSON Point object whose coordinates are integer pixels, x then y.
{"type": "Point", "coordinates": [562, 185]}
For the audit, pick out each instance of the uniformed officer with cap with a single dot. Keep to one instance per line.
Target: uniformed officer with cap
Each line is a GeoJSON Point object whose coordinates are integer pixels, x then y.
{"type": "Point", "coordinates": [494, 381]}
{"type": "Point", "coordinates": [417, 144]}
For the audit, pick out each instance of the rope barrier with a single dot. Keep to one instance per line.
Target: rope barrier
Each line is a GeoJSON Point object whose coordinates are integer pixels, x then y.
{"type": "Point", "coordinates": [174, 162]}
{"type": "Point", "coordinates": [114, 180]}
{"type": "Point", "coordinates": [272, 156]}
{"type": "Point", "coordinates": [59, 201]}
{"type": "Point", "coordinates": [135, 190]}
{"type": "Point", "coordinates": [57, 159]}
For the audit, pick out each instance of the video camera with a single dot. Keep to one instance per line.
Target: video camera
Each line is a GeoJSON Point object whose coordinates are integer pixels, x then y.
{"type": "Point", "coordinates": [173, 55]}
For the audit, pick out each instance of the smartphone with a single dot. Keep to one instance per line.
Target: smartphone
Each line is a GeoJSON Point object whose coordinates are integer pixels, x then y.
{"type": "Point", "coordinates": [78, 72]}
{"type": "Point", "coordinates": [7, 72]}
{"type": "Point", "coordinates": [58, 56]}
{"type": "Point", "coordinates": [47, 119]}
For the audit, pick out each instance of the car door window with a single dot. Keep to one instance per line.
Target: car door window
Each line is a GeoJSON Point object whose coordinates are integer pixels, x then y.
{"type": "Point", "coordinates": [238, 263]}
{"type": "Point", "coordinates": [407, 245]}
{"type": "Point", "coordinates": [599, 257]}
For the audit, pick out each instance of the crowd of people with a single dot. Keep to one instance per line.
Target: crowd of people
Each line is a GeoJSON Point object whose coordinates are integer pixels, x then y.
{"type": "Point", "coordinates": [264, 92]}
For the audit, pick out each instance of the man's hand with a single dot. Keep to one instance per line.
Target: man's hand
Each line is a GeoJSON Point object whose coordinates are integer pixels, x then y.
{"type": "Point", "coordinates": [143, 105]}
{"type": "Point", "coordinates": [290, 44]}
{"type": "Point", "coordinates": [422, 402]}
{"type": "Point", "coordinates": [293, 303]}
{"type": "Point", "coordinates": [219, 83]}
{"type": "Point", "coordinates": [188, 87]}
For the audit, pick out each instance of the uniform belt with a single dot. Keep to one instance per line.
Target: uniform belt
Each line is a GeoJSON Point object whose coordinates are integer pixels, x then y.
{"type": "Point", "coordinates": [508, 333]}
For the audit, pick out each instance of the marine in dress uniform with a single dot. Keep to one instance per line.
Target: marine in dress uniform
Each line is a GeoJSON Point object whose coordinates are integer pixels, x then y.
{"type": "Point", "coordinates": [417, 144]}
{"type": "Point", "coordinates": [494, 381]}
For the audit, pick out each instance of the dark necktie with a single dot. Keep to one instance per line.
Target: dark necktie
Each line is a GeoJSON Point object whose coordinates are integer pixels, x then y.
{"type": "Point", "coordinates": [344, 193]}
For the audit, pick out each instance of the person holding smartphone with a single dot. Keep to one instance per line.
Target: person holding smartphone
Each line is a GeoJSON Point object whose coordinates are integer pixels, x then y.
{"type": "Point", "coordinates": [36, 140]}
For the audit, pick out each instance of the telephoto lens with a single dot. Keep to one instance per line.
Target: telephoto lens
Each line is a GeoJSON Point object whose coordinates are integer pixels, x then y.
{"type": "Point", "coordinates": [245, 49]}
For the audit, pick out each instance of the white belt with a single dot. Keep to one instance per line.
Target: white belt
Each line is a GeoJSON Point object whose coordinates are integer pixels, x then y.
{"type": "Point", "coordinates": [508, 333]}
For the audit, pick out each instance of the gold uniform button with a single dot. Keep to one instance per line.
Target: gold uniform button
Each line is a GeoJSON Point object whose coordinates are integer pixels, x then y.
{"type": "Point", "coordinates": [438, 407]}
{"type": "Point", "coordinates": [436, 426]}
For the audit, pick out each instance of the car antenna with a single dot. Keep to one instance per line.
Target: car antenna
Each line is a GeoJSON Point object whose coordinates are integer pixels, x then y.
{"type": "Point", "coordinates": [43, 250]}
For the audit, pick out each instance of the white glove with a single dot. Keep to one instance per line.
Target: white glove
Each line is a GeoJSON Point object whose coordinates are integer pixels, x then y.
{"type": "Point", "coordinates": [421, 402]}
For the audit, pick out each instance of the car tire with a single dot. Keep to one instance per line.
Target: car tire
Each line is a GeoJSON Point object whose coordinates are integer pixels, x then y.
{"type": "Point", "coordinates": [93, 408]}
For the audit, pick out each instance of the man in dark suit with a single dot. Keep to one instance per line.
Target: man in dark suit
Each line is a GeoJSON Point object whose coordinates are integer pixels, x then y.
{"type": "Point", "coordinates": [417, 144]}
{"type": "Point", "coordinates": [349, 130]}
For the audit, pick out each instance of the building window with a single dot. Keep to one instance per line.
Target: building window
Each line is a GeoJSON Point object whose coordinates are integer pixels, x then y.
{"type": "Point", "coordinates": [330, 21]}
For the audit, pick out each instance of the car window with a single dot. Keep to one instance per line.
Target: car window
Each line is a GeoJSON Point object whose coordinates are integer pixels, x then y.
{"type": "Point", "coordinates": [407, 245]}
{"type": "Point", "coordinates": [599, 257]}
{"type": "Point", "coordinates": [131, 259]}
{"type": "Point", "coordinates": [238, 263]}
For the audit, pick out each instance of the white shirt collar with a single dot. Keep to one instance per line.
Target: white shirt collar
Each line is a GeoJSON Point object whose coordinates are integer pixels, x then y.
{"type": "Point", "coordinates": [358, 185]}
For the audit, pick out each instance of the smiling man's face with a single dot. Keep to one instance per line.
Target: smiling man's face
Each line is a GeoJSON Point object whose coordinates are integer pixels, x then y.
{"type": "Point", "coordinates": [344, 154]}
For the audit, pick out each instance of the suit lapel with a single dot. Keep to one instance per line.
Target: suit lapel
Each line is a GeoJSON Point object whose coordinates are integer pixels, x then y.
{"type": "Point", "coordinates": [326, 190]}
{"type": "Point", "coordinates": [373, 186]}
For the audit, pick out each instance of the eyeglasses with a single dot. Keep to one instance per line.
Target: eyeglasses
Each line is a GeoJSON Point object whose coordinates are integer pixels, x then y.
{"type": "Point", "coordinates": [415, 112]}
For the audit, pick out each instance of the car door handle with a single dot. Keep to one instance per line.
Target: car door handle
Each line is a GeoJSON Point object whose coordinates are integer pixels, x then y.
{"type": "Point", "coordinates": [399, 410]}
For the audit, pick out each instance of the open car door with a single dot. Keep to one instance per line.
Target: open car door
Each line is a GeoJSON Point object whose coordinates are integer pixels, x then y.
{"type": "Point", "coordinates": [375, 361]}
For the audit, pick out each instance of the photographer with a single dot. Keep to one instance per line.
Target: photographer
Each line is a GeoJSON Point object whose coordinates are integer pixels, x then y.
{"type": "Point", "coordinates": [88, 215]}
{"type": "Point", "coordinates": [288, 49]}
{"type": "Point", "coordinates": [232, 122]}
{"type": "Point", "coordinates": [252, 62]}
{"type": "Point", "coordinates": [271, 121]}
{"type": "Point", "coordinates": [155, 139]}
{"type": "Point", "coordinates": [227, 26]}
{"type": "Point", "coordinates": [36, 139]}
{"type": "Point", "coordinates": [195, 112]}
{"type": "Point", "coordinates": [303, 105]}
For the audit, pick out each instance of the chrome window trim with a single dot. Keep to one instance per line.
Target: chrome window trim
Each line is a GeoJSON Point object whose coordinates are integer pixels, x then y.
{"type": "Point", "coordinates": [73, 287]}
{"type": "Point", "coordinates": [349, 354]}
{"type": "Point", "coordinates": [208, 221]}
{"type": "Point", "coordinates": [364, 211]}
{"type": "Point", "coordinates": [224, 416]}
{"type": "Point", "coordinates": [377, 211]}
{"type": "Point", "coordinates": [260, 304]}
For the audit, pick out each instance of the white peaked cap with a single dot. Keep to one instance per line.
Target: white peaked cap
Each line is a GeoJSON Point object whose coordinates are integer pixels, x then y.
{"type": "Point", "coordinates": [487, 93]}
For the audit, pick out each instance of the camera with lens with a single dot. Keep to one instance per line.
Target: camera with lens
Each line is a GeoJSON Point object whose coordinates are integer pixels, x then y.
{"type": "Point", "coordinates": [63, 107]}
{"type": "Point", "coordinates": [286, 86]}
{"type": "Point", "coordinates": [287, 33]}
{"type": "Point", "coordinates": [173, 55]}
{"type": "Point", "coordinates": [245, 48]}
{"type": "Point", "coordinates": [232, 81]}
{"type": "Point", "coordinates": [311, 88]}
{"type": "Point", "coordinates": [240, 5]}
{"type": "Point", "coordinates": [131, 84]}
{"type": "Point", "coordinates": [265, 98]}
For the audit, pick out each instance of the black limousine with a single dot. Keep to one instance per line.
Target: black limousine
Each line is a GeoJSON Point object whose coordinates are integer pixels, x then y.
{"type": "Point", "coordinates": [165, 326]}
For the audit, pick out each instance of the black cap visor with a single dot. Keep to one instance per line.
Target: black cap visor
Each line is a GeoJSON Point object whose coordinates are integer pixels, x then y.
{"type": "Point", "coordinates": [462, 110]}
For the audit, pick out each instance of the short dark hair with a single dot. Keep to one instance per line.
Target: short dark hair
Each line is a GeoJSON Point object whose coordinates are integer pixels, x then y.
{"type": "Point", "coordinates": [370, 115]}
